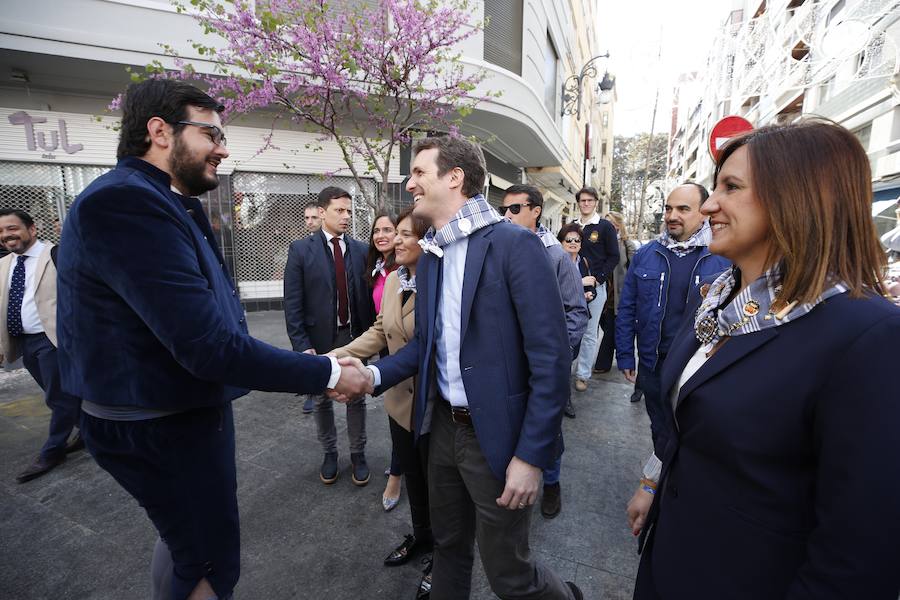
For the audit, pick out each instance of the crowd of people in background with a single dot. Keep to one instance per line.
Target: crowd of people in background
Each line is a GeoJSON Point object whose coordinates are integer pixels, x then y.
{"type": "Point", "coordinates": [755, 327]}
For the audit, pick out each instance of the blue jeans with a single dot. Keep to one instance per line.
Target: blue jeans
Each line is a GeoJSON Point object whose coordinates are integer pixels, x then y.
{"type": "Point", "coordinates": [39, 357]}
{"type": "Point", "coordinates": [590, 343]}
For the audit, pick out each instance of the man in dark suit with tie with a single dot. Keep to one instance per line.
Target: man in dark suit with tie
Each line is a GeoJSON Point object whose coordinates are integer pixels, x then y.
{"type": "Point", "coordinates": [326, 304]}
{"type": "Point", "coordinates": [493, 359]}
{"type": "Point", "coordinates": [153, 339]}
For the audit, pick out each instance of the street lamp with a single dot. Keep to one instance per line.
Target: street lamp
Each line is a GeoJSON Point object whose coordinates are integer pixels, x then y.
{"type": "Point", "coordinates": [572, 91]}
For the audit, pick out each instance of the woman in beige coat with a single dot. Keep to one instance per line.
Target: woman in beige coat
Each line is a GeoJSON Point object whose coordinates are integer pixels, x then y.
{"type": "Point", "coordinates": [393, 328]}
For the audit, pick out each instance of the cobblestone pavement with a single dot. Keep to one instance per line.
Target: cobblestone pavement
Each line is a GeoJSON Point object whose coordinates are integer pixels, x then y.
{"type": "Point", "coordinates": [75, 534]}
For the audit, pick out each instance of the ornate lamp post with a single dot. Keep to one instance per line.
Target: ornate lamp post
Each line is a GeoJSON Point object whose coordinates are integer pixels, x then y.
{"type": "Point", "coordinates": [572, 89]}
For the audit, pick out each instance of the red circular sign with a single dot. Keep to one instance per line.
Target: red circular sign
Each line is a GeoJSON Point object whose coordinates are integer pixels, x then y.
{"type": "Point", "coordinates": [724, 130]}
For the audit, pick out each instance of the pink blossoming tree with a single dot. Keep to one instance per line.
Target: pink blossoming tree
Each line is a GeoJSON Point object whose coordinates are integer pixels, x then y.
{"type": "Point", "coordinates": [365, 74]}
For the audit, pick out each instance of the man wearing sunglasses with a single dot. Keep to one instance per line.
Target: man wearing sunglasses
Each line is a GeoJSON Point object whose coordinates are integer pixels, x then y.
{"type": "Point", "coordinates": [152, 337]}
{"type": "Point", "coordinates": [523, 205]}
{"type": "Point", "coordinates": [601, 249]}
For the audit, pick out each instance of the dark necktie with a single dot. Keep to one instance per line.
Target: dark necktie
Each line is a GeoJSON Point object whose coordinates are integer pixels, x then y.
{"type": "Point", "coordinates": [16, 293]}
{"type": "Point", "coordinates": [340, 274]}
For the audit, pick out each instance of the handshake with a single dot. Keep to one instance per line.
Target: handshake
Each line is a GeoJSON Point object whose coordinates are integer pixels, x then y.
{"type": "Point", "coordinates": [355, 380]}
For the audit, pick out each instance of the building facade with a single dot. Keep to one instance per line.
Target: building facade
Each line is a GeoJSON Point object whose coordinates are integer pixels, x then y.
{"type": "Point", "coordinates": [777, 60]}
{"type": "Point", "coordinates": [67, 60]}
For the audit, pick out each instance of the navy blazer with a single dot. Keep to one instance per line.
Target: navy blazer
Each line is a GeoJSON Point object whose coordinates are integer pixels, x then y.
{"type": "Point", "coordinates": [514, 350]}
{"type": "Point", "coordinates": [782, 480]}
{"type": "Point", "coordinates": [147, 313]}
{"type": "Point", "coordinates": [310, 297]}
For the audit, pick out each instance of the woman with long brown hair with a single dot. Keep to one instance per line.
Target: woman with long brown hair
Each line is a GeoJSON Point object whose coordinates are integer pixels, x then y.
{"type": "Point", "coordinates": [780, 478]}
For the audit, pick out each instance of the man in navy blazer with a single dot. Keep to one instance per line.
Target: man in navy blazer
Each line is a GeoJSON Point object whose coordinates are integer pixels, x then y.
{"type": "Point", "coordinates": [493, 361]}
{"type": "Point", "coordinates": [152, 337]}
{"type": "Point", "coordinates": [327, 303]}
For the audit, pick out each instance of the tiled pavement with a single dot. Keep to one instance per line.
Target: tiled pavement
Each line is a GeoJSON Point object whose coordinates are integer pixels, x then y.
{"type": "Point", "coordinates": [75, 534]}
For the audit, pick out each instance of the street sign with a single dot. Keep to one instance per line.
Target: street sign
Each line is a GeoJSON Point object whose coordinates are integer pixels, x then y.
{"type": "Point", "coordinates": [724, 130]}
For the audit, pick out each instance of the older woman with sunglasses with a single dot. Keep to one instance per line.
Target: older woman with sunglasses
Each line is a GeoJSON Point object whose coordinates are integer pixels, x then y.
{"type": "Point", "coordinates": [780, 476]}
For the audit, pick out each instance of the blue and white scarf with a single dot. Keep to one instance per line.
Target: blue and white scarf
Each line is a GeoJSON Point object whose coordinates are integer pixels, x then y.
{"type": "Point", "coordinates": [407, 280]}
{"type": "Point", "coordinates": [379, 268]}
{"type": "Point", "coordinates": [475, 214]}
{"type": "Point", "coordinates": [755, 308]}
{"type": "Point", "coordinates": [547, 237]}
{"type": "Point", "coordinates": [700, 239]}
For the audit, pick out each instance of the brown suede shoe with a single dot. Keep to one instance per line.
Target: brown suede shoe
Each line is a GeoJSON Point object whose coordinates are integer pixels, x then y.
{"type": "Point", "coordinates": [41, 465]}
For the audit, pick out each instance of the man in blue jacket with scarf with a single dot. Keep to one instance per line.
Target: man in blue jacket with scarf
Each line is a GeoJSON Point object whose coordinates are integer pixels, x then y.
{"type": "Point", "coordinates": [658, 284]}
{"type": "Point", "coordinates": [152, 337]}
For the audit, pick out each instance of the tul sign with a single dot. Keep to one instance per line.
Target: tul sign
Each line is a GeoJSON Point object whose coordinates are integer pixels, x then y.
{"type": "Point", "coordinates": [724, 130]}
{"type": "Point", "coordinates": [35, 139]}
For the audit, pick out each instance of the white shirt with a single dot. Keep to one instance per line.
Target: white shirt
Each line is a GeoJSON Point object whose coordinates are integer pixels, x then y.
{"type": "Point", "coordinates": [449, 374]}
{"type": "Point", "coordinates": [31, 321]}
{"type": "Point", "coordinates": [595, 218]}
{"type": "Point", "coordinates": [343, 245]}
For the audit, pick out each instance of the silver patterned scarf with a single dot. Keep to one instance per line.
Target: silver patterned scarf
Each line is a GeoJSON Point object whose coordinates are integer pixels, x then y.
{"type": "Point", "coordinates": [475, 214]}
{"type": "Point", "coordinates": [407, 280]}
{"type": "Point", "coordinates": [755, 308]}
{"type": "Point", "coordinates": [701, 238]}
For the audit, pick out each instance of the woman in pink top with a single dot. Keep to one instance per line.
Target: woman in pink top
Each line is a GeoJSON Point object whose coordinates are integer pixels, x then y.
{"type": "Point", "coordinates": [380, 261]}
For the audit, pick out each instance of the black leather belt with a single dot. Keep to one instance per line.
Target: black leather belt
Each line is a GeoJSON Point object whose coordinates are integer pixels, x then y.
{"type": "Point", "coordinates": [459, 414]}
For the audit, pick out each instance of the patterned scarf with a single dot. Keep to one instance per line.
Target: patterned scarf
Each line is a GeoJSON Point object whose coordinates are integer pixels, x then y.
{"type": "Point", "coordinates": [407, 281]}
{"type": "Point", "coordinates": [701, 238]}
{"type": "Point", "coordinates": [753, 309]}
{"type": "Point", "coordinates": [379, 267]}
{"type": "Point", "coordinates": [547, 237]}
{"type": "Point", "coordinates": [475, 214]}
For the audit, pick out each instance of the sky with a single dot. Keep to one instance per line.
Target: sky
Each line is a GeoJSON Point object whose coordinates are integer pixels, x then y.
{"type": "Point", "coordinates": [635, 31]}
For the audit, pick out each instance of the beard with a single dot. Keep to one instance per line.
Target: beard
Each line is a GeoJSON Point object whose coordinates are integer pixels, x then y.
{"type": "Point", "coordinates": [190, 171]}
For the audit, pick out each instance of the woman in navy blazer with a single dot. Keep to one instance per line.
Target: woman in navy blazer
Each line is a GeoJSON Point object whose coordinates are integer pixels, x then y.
{"type": "Point", "coordinates": [780, 478]}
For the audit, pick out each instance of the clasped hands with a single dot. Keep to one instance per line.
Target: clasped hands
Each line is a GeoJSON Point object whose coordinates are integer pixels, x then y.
{"type": "Point", "coordinates": [355, 380]}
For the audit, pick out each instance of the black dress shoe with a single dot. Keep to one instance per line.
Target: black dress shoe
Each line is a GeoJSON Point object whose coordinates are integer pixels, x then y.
{"type": "Point", "coordinates": [329, 471]}
{"type": "Point", "coordinates": [637, 395]}
{"type": "Point", "coordinates": [408, 548]}
{"type": "Point", "coordinates": [424, 591]}
{"type": "Point", "coordinates": [43, 464]}
{"type": "Point", "coordinates": [575, 591]}
{"type": "Point", "coordinates": [569, 410]}
{"type": "Point", "coordinates": [75, 444]}
{"type": "Point", "coordinates": [551, 502]}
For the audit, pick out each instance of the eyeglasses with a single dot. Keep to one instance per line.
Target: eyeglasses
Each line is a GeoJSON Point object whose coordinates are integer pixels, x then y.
{"type": "Point", "coordinates": [513, 208]}
{"type": "Point", "coordinates": [215, 133]}
{"type": "Point", "coordinates": [573, 240]}
{"type": "Point", "coordinates": [586, 200]}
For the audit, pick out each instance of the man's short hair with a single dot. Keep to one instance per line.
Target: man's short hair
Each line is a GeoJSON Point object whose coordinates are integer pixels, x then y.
{"type": "Point", "coordinates": [17, 212]}
{"type": "Point", "coordinates": [311, 205]}
{"type": "Point", "coordinates": [588, 190]}
{"type": "Point", "coordinates": [330, 193]}
{"type": "Point", "coordinates": [704, 193]}
{"type": "Point", "coordinates": [535, 197]}
{"type": "Point", "coordinates": [164, 98]}
{"type": "Point", "coordinates": [457, 152]}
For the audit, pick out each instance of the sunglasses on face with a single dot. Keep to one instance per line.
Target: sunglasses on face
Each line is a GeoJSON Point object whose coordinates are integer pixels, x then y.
{"type": "Point", "coordinates": [513, 208]}
{"type": "Point", "coordinates": [573, 240]}
{"type": "Point", "coordinates": [215, 134]}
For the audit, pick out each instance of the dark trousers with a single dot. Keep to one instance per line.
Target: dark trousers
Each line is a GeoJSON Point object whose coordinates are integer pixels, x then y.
{"type": "Point", "coordinates": [649, 382]}
{"type": "Point", "coordinates": [608, 343]}
{"type": "Point", "coordinates": [39, 357]}
{"type": "Point", "coordinates": [181, 470]}
{"type": "Point", "coordinates": [356, 413]}
{"type": "Point", "coordinates": [412, 460]}
{"type": "Point", "coordinates": [463, 494]}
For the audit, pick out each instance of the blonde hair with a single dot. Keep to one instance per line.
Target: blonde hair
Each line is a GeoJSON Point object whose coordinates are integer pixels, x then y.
{"type": "Point", "coordinates": [619, 220]}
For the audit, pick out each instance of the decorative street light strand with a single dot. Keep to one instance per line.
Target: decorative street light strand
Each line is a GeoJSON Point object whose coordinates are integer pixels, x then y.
{"type": "Point", "coordinates": [572, 90]}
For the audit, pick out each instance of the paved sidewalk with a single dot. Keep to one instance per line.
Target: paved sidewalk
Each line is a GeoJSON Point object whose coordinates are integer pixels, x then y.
{"type": "Point", "coordinates": [75, 534]}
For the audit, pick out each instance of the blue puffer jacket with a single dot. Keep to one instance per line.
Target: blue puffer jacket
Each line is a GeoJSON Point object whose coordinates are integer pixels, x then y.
{"type": "Point", "coordinates": [643, 302]}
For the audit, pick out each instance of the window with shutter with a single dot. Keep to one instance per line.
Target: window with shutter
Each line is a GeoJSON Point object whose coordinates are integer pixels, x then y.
{"type": "Point", "coordinates": [503, 34]}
